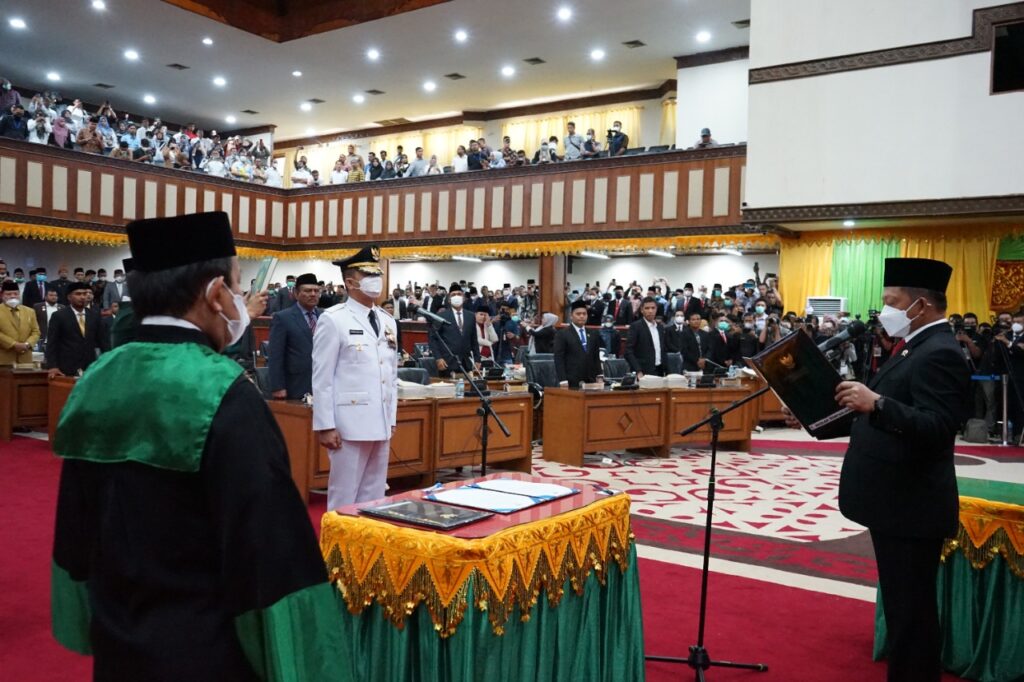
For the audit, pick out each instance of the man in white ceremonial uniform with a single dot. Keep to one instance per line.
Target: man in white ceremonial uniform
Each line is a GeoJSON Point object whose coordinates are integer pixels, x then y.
{"type": "Point", "coordinates": [355, 384]}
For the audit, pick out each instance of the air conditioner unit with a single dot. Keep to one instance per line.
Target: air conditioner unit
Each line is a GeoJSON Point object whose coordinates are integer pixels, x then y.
{"type": "Point", "coordinates": [827, 305]}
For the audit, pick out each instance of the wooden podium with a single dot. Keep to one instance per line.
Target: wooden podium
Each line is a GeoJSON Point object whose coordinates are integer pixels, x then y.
{"type": "Point", "coordinates": [23, 400]}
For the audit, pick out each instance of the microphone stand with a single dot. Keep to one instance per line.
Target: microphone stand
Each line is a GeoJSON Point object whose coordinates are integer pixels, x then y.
{"type": "Point", "coordinates": [699, 658]}
{"type": "Point", "coordinates": [485, 410]}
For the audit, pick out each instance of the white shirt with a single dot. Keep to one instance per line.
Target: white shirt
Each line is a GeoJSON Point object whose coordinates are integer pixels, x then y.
{"type": "Point", "coordinates": [912, 334]}
{"type": "Point", "coordinates": [460, 164]}
{"type": "Point", "coordinates": [273, 177]}
{"type": "Point", "coordinates": [339, 177]}
{"type": "Point", "coordinates": [50, 310]}
{"type": "Point", "coordinates": [302, 177]}
{"type": "Point", "coordinates": [656, 337]}
{"type": "Point", "coordinates": [169, 321]}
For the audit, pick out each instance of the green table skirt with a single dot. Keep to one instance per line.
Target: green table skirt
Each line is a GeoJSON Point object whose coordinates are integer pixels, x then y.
{"type": "Point", "coordinates": [596, 637]}
{"type": "Point", "coordinates": [982, 618]}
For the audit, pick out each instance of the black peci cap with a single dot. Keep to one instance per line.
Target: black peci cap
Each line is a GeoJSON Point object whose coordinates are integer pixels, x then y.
{"type": "Point", "coordinates": [917, 273]}
{"type": "Point", "coordinates": [165, 243]}
{"type": "Point", "coordinates": [308, 278]}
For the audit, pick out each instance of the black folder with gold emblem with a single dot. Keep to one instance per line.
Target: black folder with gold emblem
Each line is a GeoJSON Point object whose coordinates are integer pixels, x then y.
{"type": "Point", "coordinates": [805, 381]}
{"type": "Point", "coordinates": [429, 514]}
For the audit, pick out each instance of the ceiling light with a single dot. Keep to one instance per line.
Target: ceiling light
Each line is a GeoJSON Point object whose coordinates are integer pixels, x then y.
{"type": "Point", "coordinates": [849, 223]}
{"type": "Point", "coordinates": [373, 54]}
{"type": "Point", "coordinates": [220, 81]}
{"type": "Point", "coordinates": [663, 254]}
{"type": "Point", "coordinates": [53, 76]}
{"type": "Point", "coordinates": [358, 99]}
{"type": "Point", "coordinates": [461, 36]}
{"type": "Point", "coordinates": [429, 86]}
{"type": "Point", "coordinates": [508, 71]}
{"type": "Point", "coordinates": [297, 74]}
{"type": "Point", "coordinates": [18, 23]}
{"type": "Point", "coordinates": [467, 259]}
{"type": "Point", "coordinates": [230, 119]}
{"type": "Point", "coordinates": [149, 99]}
{"type": "Point", "coordinates": [131, 55]}
{"type": "Point", "coordinates": [99, 5]}
{"type": "Point", "coordinates": [306, 106]}
{"type": "Point", "coordinates": [597, 54]}
{"type": "Point", "coordinates": [564, 13]}
{"type": "Point", "coordinates": [207, 40]}
{"type": "Point", "coordinates": [593, 254]}
{"type": "Point", "coordinates": [731, 252]}
{"type": "Point", "coordinates": [703, 37]}
{"type": "Point", "coordinates": [310, 131]}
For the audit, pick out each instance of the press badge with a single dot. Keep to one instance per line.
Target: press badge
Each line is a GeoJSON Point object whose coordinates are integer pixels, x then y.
{"type": "Point", "coordinates": [355, 332]}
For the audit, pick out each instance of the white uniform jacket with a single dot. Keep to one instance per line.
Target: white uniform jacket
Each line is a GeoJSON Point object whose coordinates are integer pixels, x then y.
{"type": "Point", "coordinates": [355, 373]}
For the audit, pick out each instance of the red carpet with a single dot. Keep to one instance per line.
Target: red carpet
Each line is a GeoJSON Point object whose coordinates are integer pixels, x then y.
{"type": "Point", "coordinates": [802, 635]}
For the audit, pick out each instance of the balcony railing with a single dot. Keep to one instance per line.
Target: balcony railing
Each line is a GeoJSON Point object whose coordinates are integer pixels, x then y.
{"type": "Point", "coordinates": [693, 191]}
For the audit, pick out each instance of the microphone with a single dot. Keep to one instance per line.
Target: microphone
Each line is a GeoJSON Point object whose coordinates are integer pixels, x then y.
{"type": "Point", "coordinates": [855, 329]}
{"type": "Point", "coordinates": [433, 317]}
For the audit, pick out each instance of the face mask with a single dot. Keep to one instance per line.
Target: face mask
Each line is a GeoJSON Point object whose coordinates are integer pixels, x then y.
{"type": "Point", "coordinates": [680, 319]}
{"type": "Point", "coordinates": [618, 294]}
{"type": "Point", "coordinates": [102, 279]}
{"type": "Point", "coordinates": [19, 280]}
{"type": "Point", "coordinates": [728, 303]}
{"type": "Point", "coordinates": [687, 292]}
{"type": "Point", "coordinates": [607, 324]}
{"type": "Point", "coordinates": [1017, 327]}
{"type": "Point", "coordinates": [236, 328]}
{"type": "Point", "coordinates": [748, 325]}
{"type": "Point", "coordinates": [40, 278]}
{"type": "Point", "coordinates": [589, 136]}
{"type": "Point", "coordinates": [515, 318]}
{"type": "Point", "coordinates": [119, 280]}
{"type": "Point", "coordinates": [723, 326]}
{"type": "Point", "coordinates": [616, 128]}
{"type": "Point", "coordinates": [290, 285]}
{"type": "Point", "coordinates": [895, 321]}
{"type": "Point", "coordinates": [759, 310]}
{"type": "Point", "coordinates": [372, 286]}
{"type": "Point", "coordinates": [717, 293]}
{"type": "Point", "coordinates": [786, 325]}
{"type": "Point", "coordinates": [456, 301]}
{"type": "Point", "coordinates": [13, 302]}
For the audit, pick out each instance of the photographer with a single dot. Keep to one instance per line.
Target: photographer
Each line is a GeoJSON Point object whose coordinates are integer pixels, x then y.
{"type": "Point", "coordinates": [1013, 341]}
{"type": "Point", "coordinates": [771, 332]}
{"type": "Point", "coordinates": [618, 141]}
{"type": "Point", "coordinates": [591, 146]}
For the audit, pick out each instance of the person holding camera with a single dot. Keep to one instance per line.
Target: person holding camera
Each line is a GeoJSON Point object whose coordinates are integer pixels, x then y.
{"type": "Point", "coordinates": [591, 146]}
{"type": "Point", "coordinates": [618, 141]}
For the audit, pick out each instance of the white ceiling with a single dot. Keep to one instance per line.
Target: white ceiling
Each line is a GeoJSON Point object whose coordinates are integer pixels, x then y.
{"type": "Point", "coordinates": [86, 47]}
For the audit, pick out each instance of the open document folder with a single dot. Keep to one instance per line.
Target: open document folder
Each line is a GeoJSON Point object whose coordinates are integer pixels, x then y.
{"type": "Point", "coordinates": [502, 495]}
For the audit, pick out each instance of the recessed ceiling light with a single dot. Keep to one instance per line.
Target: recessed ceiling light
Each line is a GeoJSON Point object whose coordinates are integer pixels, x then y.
{"type": "Point", "coordinates": [508, 71]}
{"type": "Point", "coordinates": [461, 36]}
{"type": "Point", "coordinates": [659, 252]}
{"type": "Point", "coordinates": [429, 86]}
{"type": "Point", "coordinates": [593, 254]}
{"type": "Point", "coordinates": [99, 5]}
{"type": "Point", "coordinates": [220, 81]}
{"type": "Point", "coordinates": [149, 99]}
{"type": "Point", "coordinates": [306, 106]}
{"type": "Point", "coordinates": [467, 259]}
{"type": "Point", "coordinates": [849, 223]}
{"type": "Point", "coordinates": [17, 23]}
{"type": "Point", "coordinates": [131, 55]}
{"type": "Point", "coordinates": [358, 99]}
{"type": "Point", "coordinates": [230, 119]}
{"type": "Point", "coordinates": [297, 74]}
{"type": "Point", "coordinates": [373, 54]}
{"type": "Point", "coordinates": [207, 41]}
{"type": "Point", "coordinates": [703, 37]}
{"type": "Point", "coordinates": [597, 54]}
{"type": "Point", "coordinates": [564, 13]}
{"type": "Point", "coordinates": [53, 76]}
{"type": "Point", "coordinates": [310, 131]}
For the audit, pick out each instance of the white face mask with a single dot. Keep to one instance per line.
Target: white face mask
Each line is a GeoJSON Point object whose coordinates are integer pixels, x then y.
{"type": "Point", "coordinates": [456, 301]}
{"type": "Point", "coordinates": [372, 286]}
{"type": "Point", "coordinates": [236, 328]}
{"type": "Point", "coordinates": [13, 302]}
{"type": "Point", "coordinates": [1017, 327]}
{"type": "Point", "coordinates": [680, 319]}
{"type": "Point", "coordinates": [896, 322]}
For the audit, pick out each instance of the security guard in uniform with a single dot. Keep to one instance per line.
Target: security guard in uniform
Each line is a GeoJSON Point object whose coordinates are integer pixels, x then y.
{"type": "Point", "coordinates": [355, 384]}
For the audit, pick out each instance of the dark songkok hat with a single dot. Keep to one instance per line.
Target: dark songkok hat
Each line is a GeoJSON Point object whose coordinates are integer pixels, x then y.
{"type": "Point", "coordinates": [917, 273]}
{"type": "Point", "coordinates": [578, 303]}
{"type": "Point", "coordinates": [308, 278]}
{"type": "Point", "coordinates": [455, 287]}
{"type": "Point", "coordinates": [367, 261]}
{"type": "Point", "coordinates": [165, 243]}
{"type": "Point", "coordinates": [482, 307]}
{"type": "Point", "coordinates": [78, 286]}
{"type": "Point", "coordinates": [9, 285]}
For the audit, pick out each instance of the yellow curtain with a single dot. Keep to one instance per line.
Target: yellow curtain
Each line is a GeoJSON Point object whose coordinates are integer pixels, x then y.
{"type": "Point", "coordinates": [973, 261]}
{"type": "Point", "coordinates": [805, 269]}
{"type": "Point", "coordinates": [668, 122]}
{"type": "Point", "coordinates": [527, 133]}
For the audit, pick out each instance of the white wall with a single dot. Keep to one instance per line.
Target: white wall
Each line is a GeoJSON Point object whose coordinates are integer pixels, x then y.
{"type": "Point", "coordinates": [715, 97]}
{"type": "Point", "coordinates": [492, 274]}
{"type": "Point", "coordinates": [925, 130]}
{"type": "Point", "coordinates": [698, 269]}
{"type": "Point", "coordinates": [784, 31]}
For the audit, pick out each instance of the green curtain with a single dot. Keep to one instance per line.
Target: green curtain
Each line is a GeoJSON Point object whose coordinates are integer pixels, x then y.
{"type": "Point", "coordinates": [857, 268]}
{"type": "Point", "coordinates": [1011, 248]}
{"type": "Point", "coordinates": [597, 637]}
{"type": "Point", "coordinates": [982, 618]}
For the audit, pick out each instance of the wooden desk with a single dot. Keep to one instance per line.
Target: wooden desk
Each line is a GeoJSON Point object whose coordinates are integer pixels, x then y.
{"type": "Point", "coordinates": [23, 400]}
{"type": "Point", "coordinates": [690, 405]}
{"type": "Point", "coordinates": [770, 407]}
{"type": "Point", "coordinates": [457, 432]}
{"type": "Point", "coordinates": [577, 422]}
{"type": "Point", "coordinates": [60, 389]}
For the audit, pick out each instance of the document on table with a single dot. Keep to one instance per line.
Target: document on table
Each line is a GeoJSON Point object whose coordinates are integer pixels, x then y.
{"type": "Point", "coordinates": [538, 491]}
{"type": "Point", "coordinates": [479, 498]}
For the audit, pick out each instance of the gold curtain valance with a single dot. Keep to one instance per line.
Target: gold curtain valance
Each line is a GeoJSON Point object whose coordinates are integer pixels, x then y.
{"type": "Point", "coordinates": [61, 234]}
{"type": "Point", "coordinates": [989, 529]}
{"type": "Point", "coordinates": [400, 568]}
{"type": "Point", "coordinates": [970, 232]}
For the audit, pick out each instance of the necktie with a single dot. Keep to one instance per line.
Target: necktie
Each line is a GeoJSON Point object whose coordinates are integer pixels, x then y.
{"type": "Point", "coordinates": [81, 323]}
{"type": "Point", "coordinates": [373, 323]}
{"type": "Point", "coordinates": [458, 319]}
{"type": "Point", "coordinates": [42, 291]}
{"type": "Point", "coordinates": [900, 345]}
{"type": "Point", "coordinates": [583, 338]}
{"type": "Point", "coordinates": [312, 320]}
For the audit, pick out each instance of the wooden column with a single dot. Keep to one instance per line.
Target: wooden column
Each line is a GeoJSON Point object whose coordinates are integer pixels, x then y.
{"type": "Point", "coordinates": [552, 284]}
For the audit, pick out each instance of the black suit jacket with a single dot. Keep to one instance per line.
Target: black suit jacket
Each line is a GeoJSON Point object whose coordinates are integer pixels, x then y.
{"type": "Point", "coordinates": [640, 348]}
{"type": "Point", "coordinates": [66, 348]}
{"type": "Point", "coordinates": [720, 350]}
{"type": "Point", "coordinates": [898, 475]}
{"type": "Point", "coordinates": [32, 294]}
{"type": "Point", "coordinates": [464, 344]}
{"type": "Point", "coordinates": [624, 314]}
{"type": "Point", "coordinates": [572, 362]}
{"type": "Point", "coordinates": [41, 320]}
{"type": "Point", "coordinates": [291, 352]}
{"type": "Point", "coordinates": [694, 305]}
{"type": "Point", "coordinates": [692, 345]}
{"type": "Point", "coordinates": [595, 313]}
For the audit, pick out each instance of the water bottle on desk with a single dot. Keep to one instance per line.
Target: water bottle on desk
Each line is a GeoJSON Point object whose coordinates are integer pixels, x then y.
{"type": "Point", "coordinates": [460, 388]}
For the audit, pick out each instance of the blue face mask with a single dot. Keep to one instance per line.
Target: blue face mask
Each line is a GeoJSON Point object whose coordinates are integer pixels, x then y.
{"type": "Point", "coordinates": [728, 303]}
{"type": "Point", "coordinates": [40, 278]}
{"type": "Point", "coordinates": [515, 318]}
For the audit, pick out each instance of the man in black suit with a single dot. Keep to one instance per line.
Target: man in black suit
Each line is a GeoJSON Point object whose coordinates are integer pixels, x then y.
{"type": "Point", "coordinates": [686, 302]}
{"type": "Point", "coordinates": [460, 336]}
{"type": "Point", "coordinates": [74, 334]}
{"type": "Point", "coordinates": [577, 350]}
{"type": "Point", "coordinates": [723, 345]}
{"type": "Point", "coordinates": [646, 345]}
{"type": "Point", "coordinates": [401, 311]}
{"type": "Point", "coordinates": [898, 477]}
{"type": "Point", "coordinates": [620, 308]}
{"type": "Point", "coordinates": [595, 310]}
{"type": "Point", "coordinates": [691, 341]}
{"type": "Point", "coordinates": [46, 309]}
{"type": "Point", "coordinates": [35, 290]}
{"type": "Point", "coordinates": [61, 285]}
{"type": "Point", "coordinates": [291, 342]}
